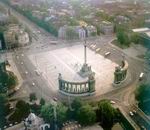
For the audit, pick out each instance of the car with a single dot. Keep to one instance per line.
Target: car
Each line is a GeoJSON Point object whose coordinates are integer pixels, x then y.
{"type": "Point", "coordinates": [17, 57]}
{"type": "Point", "coordinates": [143, 128]}
{"type": "Point", "coordinates": [38, 32]}
{"type": "Point", "coordinates": [141, 76]}
{"type": "Point", "coordinates": [131, 113]}
{"type": "Point", "coordinates": [21, 63]}
{"type": "Point", "coordinates": [22, 54]}
{"type": "Point", "coordinates": [17, 88]}
{"type": "Point", "coordinates": [94, 46]}
{"type": "Point", "coordinates": [107, 54]}
{"type": "Point", "coordinates": [33, 84]}
{"type": "Point", "coordinates": [26, 72]}
{"type": "Point", "coordinates": [55, 99]}
{"type": "Point", "coordinates": [112, 102]}
{"type": "Point", "coordinates": [37, 72]}
{"type": "Point", "coordinates": [134, 111]}
{"type": "Point", "coordinates": [98, 49]}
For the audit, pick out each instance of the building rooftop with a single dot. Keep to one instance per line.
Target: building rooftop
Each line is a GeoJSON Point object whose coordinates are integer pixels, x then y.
{"type": "Point", "coordinates": [148, 34]}
{"type": "Point", "coordinates": [140, 30]}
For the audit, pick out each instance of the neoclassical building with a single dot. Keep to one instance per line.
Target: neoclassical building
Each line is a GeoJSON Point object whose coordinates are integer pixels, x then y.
{"type": "Point", "coordinates": [16, 36]}
{"type": "Point", "coordinates": [76, 32]}
{"type": "Point", "coordinates": [107, 27]}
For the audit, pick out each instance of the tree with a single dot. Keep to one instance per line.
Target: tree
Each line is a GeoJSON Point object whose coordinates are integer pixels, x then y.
{"type": "Point", "coordinates": [106, 114]}
{"type": "Point", "coordinates": [47, 112]}
{"type": "Point", "coordinates": [12, 80]}
{"type": "Point", "coordinates": [22, 111]}
{"type": "Point", "coordinates": [42, 102]}
{"type": "Point", "coordinates": [135, 38]}
{"type": "Point", "coordinates": [76, 105]}
{"type": "Point", "coordinates": [8, 80]}
{"type": "Point", "coordinates": [142, 92]}
{"type": "Point", "coordinates": [33, 97]}
{"type": "Point", "coordinates": [123, 38]}
{"type": "Point", "coordinates": [35, 108]}
{"type": "Point", "coordinates": [2, 109]}
{"type": "Point", "coordinates": [86, 115]}
{"type": "Point", "coordinates": [61, 113]}
{"type": "Point", "coordinates": [142, 95]}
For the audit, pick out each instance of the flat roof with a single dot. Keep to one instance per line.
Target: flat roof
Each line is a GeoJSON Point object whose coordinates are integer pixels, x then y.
{"type": "Point", "coordinates": [148, 34]}
{"type": "Point", "coordinates": [141, 29]}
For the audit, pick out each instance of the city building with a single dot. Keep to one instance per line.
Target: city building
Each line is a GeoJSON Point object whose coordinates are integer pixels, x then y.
{"type": "Point", "coordinates": [3, 19]}
{"type": "Point", "coordinates": [147, 22]}
{"type": "Point", "coordinates": [38, 14]}
{"type": "Point", "coordinates": [76, 32]}
{"type": "Point", "coordinates": [15, 36]}
{"type": "Point", "coordinates": [107, 28]}
{"type": "Point", "coordinates": [144, 34]}
{"type": "Point", "coordinates": [121, 19]}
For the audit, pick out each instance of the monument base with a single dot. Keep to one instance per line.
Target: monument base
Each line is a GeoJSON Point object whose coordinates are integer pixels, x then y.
{"type": "Point", "coordinates": [86, 71]}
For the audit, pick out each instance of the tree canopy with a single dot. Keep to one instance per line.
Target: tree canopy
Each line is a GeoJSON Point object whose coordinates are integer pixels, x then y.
{"type": "Point", "coordinates": [8, 81]}
{"type": "Point", "coordinates": [22, 111]}
{"type": "Point", "coordinates": [106, 114]}
{"type": "Point", "coordinates": [142, 95]}
{"type": "Point", "coordinates": [86, 115]}
{"type": "Point", "coordinates": [2, 109]}
{"type": "Point", "coordinates": [61, 111]}
{"type": "Point", "coordinates": [47, 113]}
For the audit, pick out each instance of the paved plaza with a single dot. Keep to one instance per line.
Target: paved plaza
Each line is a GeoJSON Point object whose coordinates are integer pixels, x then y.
{"type": "Point", "coordinates": [68, 62]}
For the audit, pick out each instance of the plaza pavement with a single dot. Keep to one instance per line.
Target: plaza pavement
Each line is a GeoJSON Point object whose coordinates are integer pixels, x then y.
{"type": "Point", "coordinates": [68, 62]}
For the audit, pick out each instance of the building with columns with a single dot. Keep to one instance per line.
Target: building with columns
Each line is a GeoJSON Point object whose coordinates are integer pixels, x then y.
{"type": "Point", "coordinates": [15, 36]}
{"type": "Point", "coordinates": [76, 32]}
{"type": "Point", "coordinates": [107, 28]}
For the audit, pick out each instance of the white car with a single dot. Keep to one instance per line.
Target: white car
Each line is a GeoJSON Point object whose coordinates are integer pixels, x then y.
{"type": "Point", "coordinates": [94, 46]}
{"type": "Point", "coordinates": [98, 49]}
{"type": "Point", "coordinates": [33, 84]}
{"type": "Point", "coordinates": [141, 76]}
{"type": "Point", "coordinates": [112, 102]}
{"type": "Point", "coordinates": [55, 99]}
{"type": "Point", "coordinates": [26, 72]}
{"type": "Point", "coordinates": [21, 63]}
{"type": "Point", "coordinates": [107, 54]}
{"type": "Point", "coordinates": [37, 72]}
{"type": "Point", "coordinates": [17, 57]}
{"type": "Point", "coordinates": [131, 113]}
{"type": "Point", "coordinates": [134, 111]}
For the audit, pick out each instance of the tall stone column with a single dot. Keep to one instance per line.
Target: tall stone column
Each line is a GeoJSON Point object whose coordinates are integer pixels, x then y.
{"type": "Point", "coordinates": [85, 58]}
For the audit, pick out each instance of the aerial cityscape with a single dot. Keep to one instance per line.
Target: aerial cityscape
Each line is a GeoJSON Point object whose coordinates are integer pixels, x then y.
{"type": "Point", "coordinates": [74, 65]}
